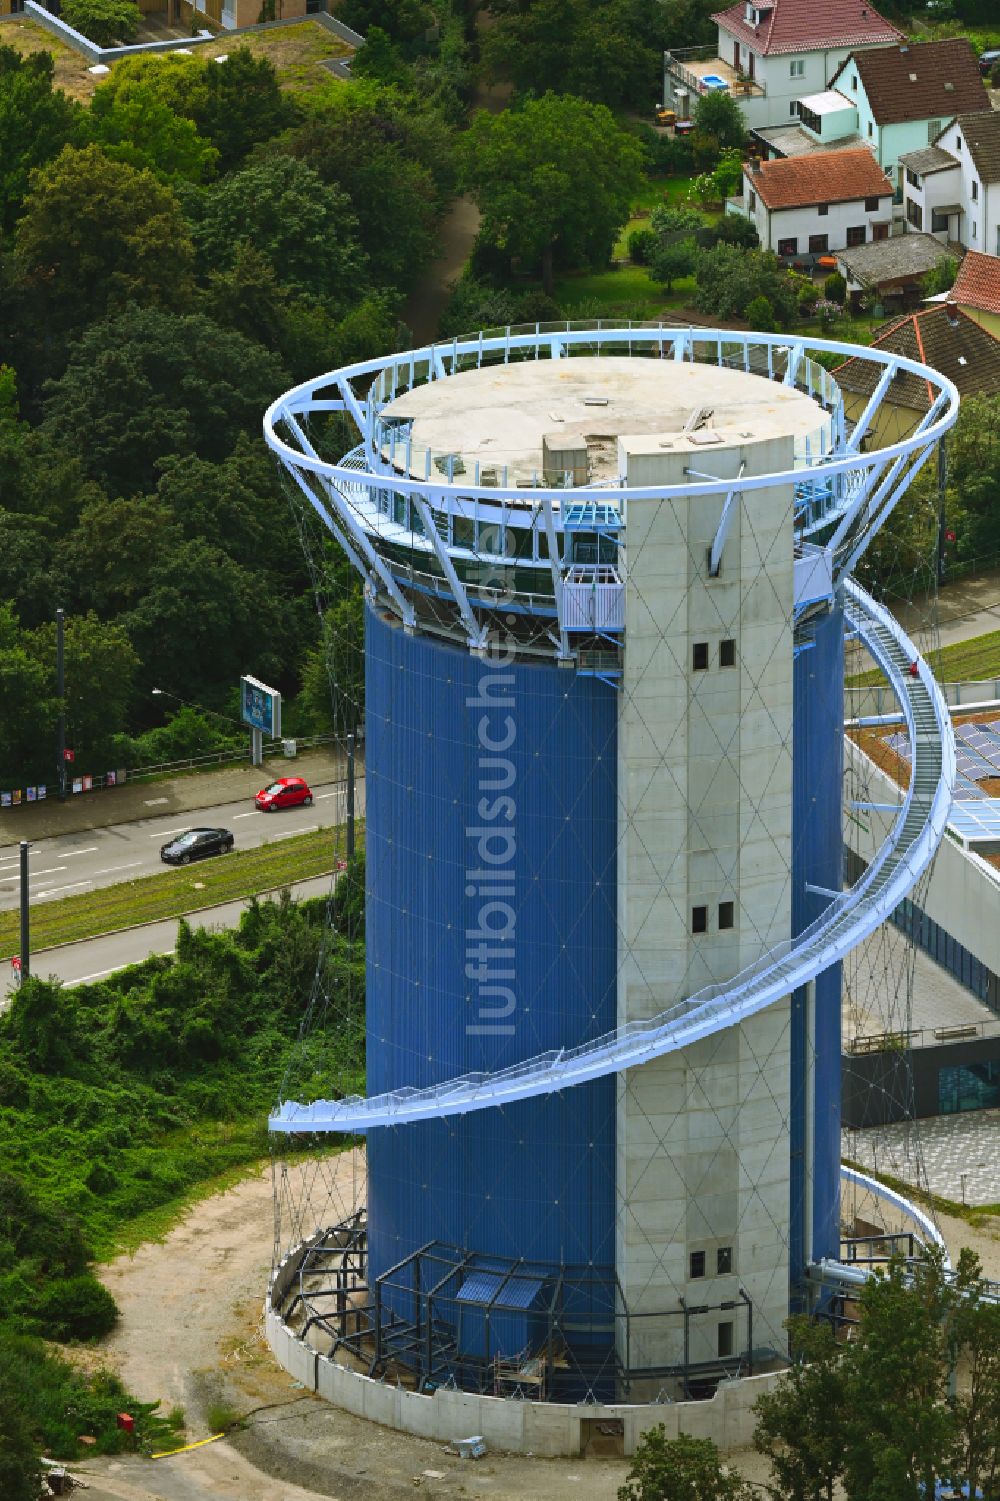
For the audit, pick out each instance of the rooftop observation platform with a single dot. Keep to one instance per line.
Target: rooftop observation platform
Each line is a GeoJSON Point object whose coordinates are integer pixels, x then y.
{"type": "Point", "coordinates": [522, 417]}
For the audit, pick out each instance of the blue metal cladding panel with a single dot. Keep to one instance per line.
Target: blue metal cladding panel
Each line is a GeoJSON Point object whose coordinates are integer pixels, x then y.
{"type": "Point", "coordinates": [449, 737]}
{"type": "Point", "coordinates": [817, 858]}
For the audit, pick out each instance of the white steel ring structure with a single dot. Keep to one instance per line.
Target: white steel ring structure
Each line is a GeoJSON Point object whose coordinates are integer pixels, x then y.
{"type": "Point", "coordinates": [388, 488]}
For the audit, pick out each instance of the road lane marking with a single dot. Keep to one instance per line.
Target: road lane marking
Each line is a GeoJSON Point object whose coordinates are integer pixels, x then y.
{"type": "Point", "coordinates": [110, 869]}
{"type": "Point", "coordinates": [74, 885]}
{"type": "Point", "coordinates": [50, 872]}
{"type": "Point", "coordinates": [312, 829]}
{"type": "Point", "coordinates": [254, 813]}
{"type": "Point", "coordinates": [68, 854]}
{"type": "Point", "coordinates": [338, 793]}
{"type": "Point", "coordinates": [154, 802]}
{"type": "Point", "coordinates": [169, 833]}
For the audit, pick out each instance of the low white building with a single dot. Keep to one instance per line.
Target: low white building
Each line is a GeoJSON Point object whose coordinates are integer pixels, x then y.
{"type": "Point", "coordinates": [812, 205]}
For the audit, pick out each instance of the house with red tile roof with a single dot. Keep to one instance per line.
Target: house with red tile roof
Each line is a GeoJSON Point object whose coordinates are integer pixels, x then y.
{"type": "Point", "coordinates": [977, 289]}
{"type": "Point", "coordinates": [772, 52]}
{"type": "Point", "coordinates": [810, 206]}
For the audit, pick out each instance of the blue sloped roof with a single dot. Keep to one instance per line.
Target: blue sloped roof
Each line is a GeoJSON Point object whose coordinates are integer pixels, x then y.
{"type": "Point", "coordinates": [488, 1287]}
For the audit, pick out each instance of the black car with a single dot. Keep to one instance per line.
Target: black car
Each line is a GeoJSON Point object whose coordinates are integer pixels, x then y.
{"type": "Point", "coordinates": [196, 843]}
{"type": "Point", "coordinates": [988, 61]}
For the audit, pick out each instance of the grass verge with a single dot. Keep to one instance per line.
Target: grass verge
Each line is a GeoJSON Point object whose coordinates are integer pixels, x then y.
{"type": "Point", "coordinates": [976, 1215]}
{"type": "Point", "coordinates": [150, 899]}
{"type": "Point", "coordinates": [964, 661]}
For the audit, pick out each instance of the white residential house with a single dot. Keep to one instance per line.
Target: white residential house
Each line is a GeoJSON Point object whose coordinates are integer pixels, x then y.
{"type": "Point", "coordinates": [905, 95]}
{"type": "Point", "coordinates": [894, 100]}
{"type": "Point", "coordinates": [813, 205]}
{"type": "Point", "coordinates": [953, 189]}
{"type": "Point", "coordinates": [772, 52]}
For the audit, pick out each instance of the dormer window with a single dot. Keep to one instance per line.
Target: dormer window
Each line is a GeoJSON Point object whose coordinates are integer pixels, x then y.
{"type": "Point", "coordinates": [854, 83]}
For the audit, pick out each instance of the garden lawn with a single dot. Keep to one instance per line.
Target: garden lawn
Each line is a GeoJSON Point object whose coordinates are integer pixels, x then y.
{"type": "Point", "coordinates": [297, 52]}
{"type": "Point", "coordinates": [71, 73]}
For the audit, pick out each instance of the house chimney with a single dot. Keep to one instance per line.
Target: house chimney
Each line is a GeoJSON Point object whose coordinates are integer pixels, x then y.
{"type": "Point", "coordinates": [951, 308]}
{"type": "Point", "coordinates": [754, 164]}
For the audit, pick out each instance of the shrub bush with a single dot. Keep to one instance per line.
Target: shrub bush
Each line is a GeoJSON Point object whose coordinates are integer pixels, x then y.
{"type": "Point", "coordinates": [107, 23]}
{"type": "Point", "coordinates": [641, 244]}
{"type": "Point", "coordinates": [835, 288]}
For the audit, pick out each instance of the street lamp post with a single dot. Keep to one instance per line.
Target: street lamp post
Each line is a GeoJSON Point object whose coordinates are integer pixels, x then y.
{"type": "Point", "coordinates": [25, 955]}
{"type": "Point", "coordinates": [61, 695]}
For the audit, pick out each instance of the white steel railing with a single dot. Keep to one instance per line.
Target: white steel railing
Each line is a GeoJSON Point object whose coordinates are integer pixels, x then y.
{"type": "Point", "coordinates": [473, 532]}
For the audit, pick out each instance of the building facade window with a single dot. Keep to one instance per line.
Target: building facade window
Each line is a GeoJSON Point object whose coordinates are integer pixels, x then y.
{"type": "Point", "coordinates": [871, 205]}
{"type": "Point", "coordinates": [871, 129]}
{"type": "Point", "coordinates": [751, 200]}
{"type": "Point", "coordinates": [933, 130]}
{"type": "Point", "coordinates": [857, 234]}
{"type": "Point", "coordinates": [975, 190]}
{"type": "Point", "coordinates": [699, 656]}
{"type": "Point", "coordinates": [912, 178]}
{"type": "Point", "coordinates": [724, 1261]}
{"type": "Point", "coordinates": [797, 67]}
{"type": "Point", "coordinates": [726, 915]}
{"type": "Point", "coordinates": [969, 1086]}
{"type": "Point", "coordinates": [788, 247]}
{"type": "Point", "coordinates": [914, 214]}
{"type": "Point", "coordinates": [727, 648]}
{"type": "Point", "coordinates": [939, 223]}
{"type": "Point", "coordinates": [822, 209]}
{"type": "Point", "coordinates": [819, 244]}
{"type": "Point", "coordinates": [699, 919]}
{"type": "Point", "coordinates": [725, 1339]}
{"type": "Point", "coordinates": [696, 1265]}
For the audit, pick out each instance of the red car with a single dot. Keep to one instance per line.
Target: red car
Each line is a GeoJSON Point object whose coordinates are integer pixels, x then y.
{"type": "Point", "coordinates": [287, 792]}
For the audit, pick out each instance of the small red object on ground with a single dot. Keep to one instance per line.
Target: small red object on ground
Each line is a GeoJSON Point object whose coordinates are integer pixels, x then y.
{"type": "Point", "coordinates": [127, 1421]}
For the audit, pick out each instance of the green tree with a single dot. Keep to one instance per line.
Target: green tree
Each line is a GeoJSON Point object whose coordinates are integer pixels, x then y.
{"type": "Point", "coordinates": [600, 52]}
{"type": "Point", "coordinates": [899, 1430]}
{"type": "Point", "coordinates": [136, 126]}
{"type": "Point", "coordinates": [760, 315]}
{"type": "Point", "coordinates": [100, 665]}
{"type": "Point", "coordinates": [941, 278]}
{"type": "Point", "coordinates": [304, 228]}
{"type": "Point", "coordinates": [150, 384]}
{"type": "Point", "coordinates": [671, 261]}
{"type": "Point", "coordinates": [242, 107]}
{"type": "Point", "coordinates": [973, 488]}
{"type": "Point", "coordinates": [729, 278]}
{"type": "Point", "coordinates": [20, 1466]}
{"type": "Point", "coordinates": [554, 182]}
{"type": "Point", "coordinates": [98, 235]}
{"type": "Point", "coordinates": [333, 674]}
{"type": "Point", "coordinates": [36, 122]}
{"type": "Point", "coordinates": [801, 1422]}
{"type": "Point", "coordinates": [204, 619]}
{"type": "Point", "coordinates": [394, 159]}
{"type": "Point", "coordinates": [379, 59]}
{"type": "Point", "coordinates": [108, 23]}
{"type": "Point", "coordinates": [718, 116]}
{"type": "Point", "coordinates": [116, 544]}
{"type": "Point", "coordinates": [27, 725]}
{"type": "Point", "coordinates": [680, 1469]}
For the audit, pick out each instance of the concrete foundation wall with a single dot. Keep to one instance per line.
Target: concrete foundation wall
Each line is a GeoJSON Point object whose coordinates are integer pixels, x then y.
{"type": "Point", "coordinates": [519, 1427]}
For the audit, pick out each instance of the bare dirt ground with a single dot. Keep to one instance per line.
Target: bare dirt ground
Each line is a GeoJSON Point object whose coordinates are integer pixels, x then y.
{"type": "Point", "coordinates": [190, 1336]}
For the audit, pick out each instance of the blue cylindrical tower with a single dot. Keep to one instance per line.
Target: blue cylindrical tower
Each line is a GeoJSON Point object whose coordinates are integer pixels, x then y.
{"type": "Point", "coordinates": [607, 579]}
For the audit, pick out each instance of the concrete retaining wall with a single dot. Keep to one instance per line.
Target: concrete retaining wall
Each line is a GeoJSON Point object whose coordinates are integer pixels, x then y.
{"type": "Point", "coordinates": [546, 1429]}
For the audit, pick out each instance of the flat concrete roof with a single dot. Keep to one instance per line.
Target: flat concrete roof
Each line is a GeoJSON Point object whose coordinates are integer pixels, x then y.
{"type": "Point", "coordinates": [500, 414]}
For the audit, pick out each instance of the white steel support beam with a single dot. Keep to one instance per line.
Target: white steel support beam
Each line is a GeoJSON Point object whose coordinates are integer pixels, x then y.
{"type": "Point", "coordinates": [719, 541]}
{"type": "Point", "coordinates": [555, 559]}
{"type": "Point", "coordinates": [857, 437]}
{"type": "Point", "coordinates": [358, 533]}
{"type": "Point", "coordinates": [794, 361]}
{"type": "Point", "coordinates": [476, 633]}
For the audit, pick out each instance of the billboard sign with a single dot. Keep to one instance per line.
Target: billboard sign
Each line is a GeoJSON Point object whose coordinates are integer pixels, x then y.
{"type": "Point", "coordinates": [260, 707]}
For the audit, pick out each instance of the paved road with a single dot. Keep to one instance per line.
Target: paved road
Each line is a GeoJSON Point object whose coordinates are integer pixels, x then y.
{"type": "Point", "coordinates": [77, 963]}
{"type": "Point", "coordinates": [68, 864]}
